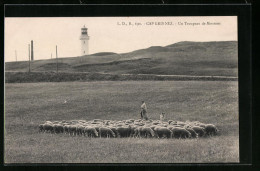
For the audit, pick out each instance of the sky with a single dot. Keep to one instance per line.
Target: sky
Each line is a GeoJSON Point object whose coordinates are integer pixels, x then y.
{"type": "Point", "coordinates": [109, 34]}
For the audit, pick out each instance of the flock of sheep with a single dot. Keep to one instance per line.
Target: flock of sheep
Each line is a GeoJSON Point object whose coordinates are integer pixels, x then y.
{"type": "Point", "coordinates": [130, 128]}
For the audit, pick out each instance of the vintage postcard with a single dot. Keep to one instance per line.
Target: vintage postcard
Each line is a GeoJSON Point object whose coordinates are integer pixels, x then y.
{"type": "Point", "coordinates": [121, 90]}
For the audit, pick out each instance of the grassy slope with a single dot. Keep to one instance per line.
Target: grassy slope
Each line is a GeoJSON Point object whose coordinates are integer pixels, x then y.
{"type": "Point", "coordinates": [184, 58]}
{"type": "Point", "coordinates": [29, 104]}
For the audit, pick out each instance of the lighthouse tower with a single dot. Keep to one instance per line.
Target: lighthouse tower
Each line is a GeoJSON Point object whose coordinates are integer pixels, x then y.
{"type": "Point", "coordinates": [84, 41]}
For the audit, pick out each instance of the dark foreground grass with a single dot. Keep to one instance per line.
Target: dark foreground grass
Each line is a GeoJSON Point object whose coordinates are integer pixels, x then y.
{"type": "Point", "coordinates": [34, 77]}
{"type": "Point", "coordinates": [48, 148]}
{"type": "Point", "coordinates": [29, 104]}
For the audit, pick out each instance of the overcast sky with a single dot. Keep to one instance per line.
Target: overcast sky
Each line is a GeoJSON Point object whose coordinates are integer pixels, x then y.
{"type": "Point", "coordinates": [107, 34]}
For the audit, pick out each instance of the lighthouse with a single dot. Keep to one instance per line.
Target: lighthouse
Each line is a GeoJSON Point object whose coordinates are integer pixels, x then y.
{"type": "Point", "coordinates": [84, 41]}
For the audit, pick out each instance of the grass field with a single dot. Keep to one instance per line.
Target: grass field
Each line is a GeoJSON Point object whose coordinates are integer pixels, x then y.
{"type": "Point", "coordinates": [29, 104]}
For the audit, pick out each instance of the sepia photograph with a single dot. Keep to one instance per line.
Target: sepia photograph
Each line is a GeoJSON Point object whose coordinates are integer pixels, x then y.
{"type": "Point", "coordinates": [121, 90]}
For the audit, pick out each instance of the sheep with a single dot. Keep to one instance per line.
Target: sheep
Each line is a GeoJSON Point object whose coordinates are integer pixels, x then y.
{"type": "Point", "coordinates": [180, 133]}
{"type": "Point", "coordinates": [130, 128]}
{"type": "Point", "coordinates": [181, 123]}
{"type": "Point", "coordinates": [211, 129]}
{"type": "Point", "coordinates": [106, 122]}
{"type": "Point", "coordinates": [188, 126]}
{"type": "Point", "coordinates": [162, 132]}
{"type": "Point", "coordinates": [173, 123]}
{"type": "Point", "coordinates": [114, 129]}
{"type": "Point", "coordinates": [148, 124]}
{"type": "Point", "coordinates": [197, 123]}
{"type": "Point", "coordinates": [199, 130]}
{"type": "Point", "coordinates": [179, 126]}
{"type": "Point", "coordinates": [193, 133]}
{"type": "Point", "coordinates": [58, 128]}
{"type": "Point", "coordinates": [138, 132]}
{"type": "Point", "coordinates": [90, 132]}
{"type": "Point", "coordinates": [164, 125]}
{"type": "Point", "coordinates": [74, 122]}
{"type": "Point", "coordinates": [56, 122]}
{"type": "Point", "coordinates": [107, 132]}
{"type": "Point", "coordinates": [63, 121]}
{"type": "Point", "coordinates": [153, 126]}
{"type": "Point", "coordinates": [72, 129]}
{"type": "Point", "coordinates": [155, 123]}
{"type": "Point", "coordinates": [170, 127]}
{"type": "Point", "coordinates": [66, 129]}
{"type": "Point", "coordinates": [80, 130]}
{"type": "Point", "coordinates": [147, 132]}
{"type": "Point", "coordinates": [97, 128]}
{"type": "Point", "coordinates": [48, 128]}
{"type": "Point", "coordinates": [202, 125]}
{"type": "Point", "coordinates": [96, 123]}
{"type": "Point", "coordinates": [139, 124]}
{"type": "Point", "coordinates": [129, 121]}
{"type": "Point", "coordinates": [124, 131]}
{"type": "Point", "coordinates": [48, 122]}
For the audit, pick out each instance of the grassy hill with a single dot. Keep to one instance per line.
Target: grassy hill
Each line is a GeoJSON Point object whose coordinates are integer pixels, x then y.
{"type": "Point", "coordinates": [183, 58]}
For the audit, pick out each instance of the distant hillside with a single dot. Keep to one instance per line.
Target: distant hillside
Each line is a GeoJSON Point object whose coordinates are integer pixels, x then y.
{"type": "Point", "coordinates": [183, 58]}
{"type": "Point", "coordinates": [103, 53]}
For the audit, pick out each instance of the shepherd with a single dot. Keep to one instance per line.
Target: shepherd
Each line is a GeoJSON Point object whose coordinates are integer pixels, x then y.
{"type": "Point", "coordinates": [144, 111]}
